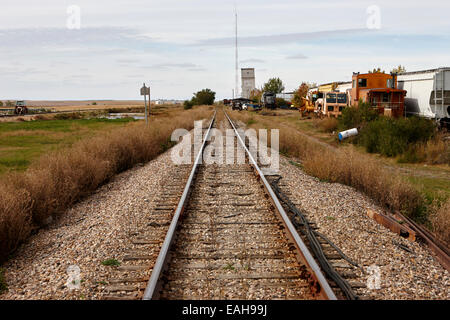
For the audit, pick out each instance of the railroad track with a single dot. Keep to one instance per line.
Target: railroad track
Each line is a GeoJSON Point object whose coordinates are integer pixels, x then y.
{"type": "Point", "coordinates": [226, 235]}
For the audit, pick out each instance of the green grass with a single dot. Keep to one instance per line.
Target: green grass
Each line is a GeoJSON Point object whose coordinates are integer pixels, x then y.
{"type": "Point", "coordinates": [229, 266]}
{"type": "Point", "coordinates": [299, 165]}
{"type": "Point", "coordinates": [59, 125]}
{"type": "Point", "coordinates": [23, 142]}
{"type": "Point", "coordinates": [111, 262]}
{"type": "Point", "coordinates": [432, 188]}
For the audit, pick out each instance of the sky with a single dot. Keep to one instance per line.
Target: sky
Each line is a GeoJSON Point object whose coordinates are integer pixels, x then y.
{"type": "Point", "coordinates": [182, 46]}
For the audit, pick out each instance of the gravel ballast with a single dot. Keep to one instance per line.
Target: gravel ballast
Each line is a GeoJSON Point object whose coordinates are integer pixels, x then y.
{"type": "Point", "coordinates": [94, 230]}
{"type": "Point", "coordinates": [99, 227]}
{"type": "Point", "coordinates": [340, 213]}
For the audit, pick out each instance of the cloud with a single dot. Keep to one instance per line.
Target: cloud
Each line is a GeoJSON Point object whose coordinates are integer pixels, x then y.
{"type": "Point", "coordinates": [268, 40]}
{"type": "Point", "coordinates": [174, 65]}
{"type": "Point", "coordinates": [62, 37]}
{"type": "Point", "coordinates": [197, 69]}
{"type": "Point", "coordinates": [297, 56]}
{"type": "Point", "coordinates": [252, 61]}
{"type": "Point", "coordinates": [127, 61]}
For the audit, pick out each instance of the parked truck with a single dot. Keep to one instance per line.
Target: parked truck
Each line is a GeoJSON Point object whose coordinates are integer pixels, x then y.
{"type": "Point", "coordinates": [268, 100]}
{"type": "Point", "coordinates": [327, 100]}
{"type": "Point", "coordinates": [20, 108]}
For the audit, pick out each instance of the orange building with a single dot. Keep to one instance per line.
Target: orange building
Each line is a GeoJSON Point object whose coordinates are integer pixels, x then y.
{"type": "Point", "coordinates": [381, 91]}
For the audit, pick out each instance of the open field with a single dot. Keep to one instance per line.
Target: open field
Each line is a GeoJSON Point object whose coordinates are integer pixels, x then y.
{"type": "Point", "coordinates": [77, 104]}
{"type": "Point", "coordinates": [24, 139]}
{"type": "Point", "coordinates": [23, 142]}
{"type": "Point", "coordinates": [59, 178]}
{"type": "Point", "coordinates": [90, 110]}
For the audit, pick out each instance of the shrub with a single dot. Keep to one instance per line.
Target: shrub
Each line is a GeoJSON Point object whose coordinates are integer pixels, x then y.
{"type": "Point", "coordinates": [353, 117]}
{"type": "Point", "coordinates": [280, 102]}
{"type": "Point", "coordinates": [41, 117]}
{"type": "Point", "coordinates": [392, 137]}
{"type": "Point", "coordinates": [68, 116]}
{"type": "Point", "coordinates": [188, 104]}
{"type": "Point", "coordinates": [204, 97]}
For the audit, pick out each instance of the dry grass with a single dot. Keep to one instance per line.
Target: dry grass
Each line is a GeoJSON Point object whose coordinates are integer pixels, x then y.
{"type": "Point", "coordinates": [441, 222]}
{"type": "Point", "coordinates": [364, 174]}
{"type": "Point", "coordinates": [344, 166]}
{"type": "Point", "coordinates": [435, 151]}
{"type": "Point", "coordinates": [327, 124]}
{"type": "Point", "coordinates": [59, 179]}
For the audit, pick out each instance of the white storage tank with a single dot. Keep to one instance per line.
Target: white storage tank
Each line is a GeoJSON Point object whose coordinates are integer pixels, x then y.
{"type": "Point", "coordinates": [428, 92]}
{"type": "Point", "coordinates": [348, 133]}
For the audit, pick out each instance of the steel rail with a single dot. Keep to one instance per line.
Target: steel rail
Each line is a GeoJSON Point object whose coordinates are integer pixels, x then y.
{"type": "Point", "coordinates": [151, 291]}
{"type": "Point", "coordinates": [308, 258]}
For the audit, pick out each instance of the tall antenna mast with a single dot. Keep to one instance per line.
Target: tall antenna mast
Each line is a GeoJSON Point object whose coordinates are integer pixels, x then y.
{"type": "Point", "coordinates": [236, 92]}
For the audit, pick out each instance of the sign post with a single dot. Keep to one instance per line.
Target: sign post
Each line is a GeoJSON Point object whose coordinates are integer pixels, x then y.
{"type": "Point", "coordinates": [144, 92]}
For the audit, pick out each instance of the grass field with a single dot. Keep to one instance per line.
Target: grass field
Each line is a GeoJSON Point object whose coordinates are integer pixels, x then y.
{"type": "Point", "coordinates": [23, 142]}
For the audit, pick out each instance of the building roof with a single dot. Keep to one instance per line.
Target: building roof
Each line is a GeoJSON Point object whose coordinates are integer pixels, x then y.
{"type": "Point", "coordinates": [383, 90]}
{"type": "Point", "coordinates": [424, 71]}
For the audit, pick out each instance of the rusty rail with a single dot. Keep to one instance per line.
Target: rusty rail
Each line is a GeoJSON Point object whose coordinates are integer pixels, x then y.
{"type": "Point", "coordinates": [154, 283]}
{"type": "Point", "coordinates": [321, 284]}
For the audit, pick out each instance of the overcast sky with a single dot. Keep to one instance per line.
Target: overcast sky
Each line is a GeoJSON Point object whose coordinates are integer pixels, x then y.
{"type": "Point", "coordinates": [182, 46]}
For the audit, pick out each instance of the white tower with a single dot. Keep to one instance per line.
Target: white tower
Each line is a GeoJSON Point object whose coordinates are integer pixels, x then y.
{"type": "Point", "coordinates": [248, 82]}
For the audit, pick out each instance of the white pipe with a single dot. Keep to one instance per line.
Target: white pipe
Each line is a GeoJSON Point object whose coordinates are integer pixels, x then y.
{"type": "Point", "coordinates": [349, 133]}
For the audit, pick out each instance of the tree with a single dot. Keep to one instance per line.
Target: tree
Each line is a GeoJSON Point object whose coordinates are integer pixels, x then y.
{"type": "Point", "coordinates": [274, 85]}
{"type": "Point", "coordinates": [188, 104]}
{"type": "Point", "coordinates": [300, 93]}
{"type": "Point", "coordinates": [280, 102]}
{"type": "Point", "coordinates": [376, 71]}
{"type": "Point", "coordinates": [205, 96]}
{"type": "Point", "coordinates": [255, 95]}
{"type": "Point", "coordinates": [399, 69]}
{"type": "Point", "coordinates": [9, 103]}
{"type": "Point", "coordinates": [1, 103]}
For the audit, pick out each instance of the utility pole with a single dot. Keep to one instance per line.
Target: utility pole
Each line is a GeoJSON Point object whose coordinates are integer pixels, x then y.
{"type": "Point", "coordinates": [236, 92]}
{"type": "Point", "coordinates": [144, 91]}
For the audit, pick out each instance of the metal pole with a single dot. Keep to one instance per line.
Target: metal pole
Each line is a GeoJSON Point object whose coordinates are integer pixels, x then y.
{"type": "Point", "coordinates": [145, 104]}
{"type": "Point", "coordinates": [236, 93]}
{"type": "Point", "coordinates": [149, 102]}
